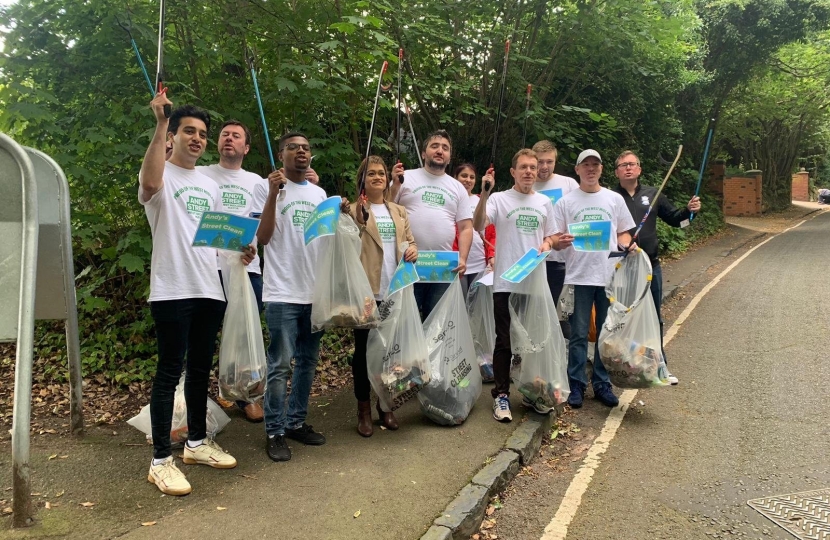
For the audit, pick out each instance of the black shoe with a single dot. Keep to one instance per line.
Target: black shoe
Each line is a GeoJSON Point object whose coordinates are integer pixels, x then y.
{"type": "Point", "coordinates": [306, 435]}
{"type": "Point", "coordinates": [605, 395]}
{"type": "Point", "coordinates": [277, 448]}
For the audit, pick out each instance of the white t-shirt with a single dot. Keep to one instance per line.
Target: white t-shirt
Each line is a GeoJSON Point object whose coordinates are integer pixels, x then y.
{"type": "Point", "coordinates": [177, 269]}
{"type": "Point", "coordinates": [236, 187]}
{"type": "Point", "coordinates": [386, 231]}
{"type": "Point", "coordinates": [584, 267]}
{"type": "Point", "coordinates": [290, 265]}
{"type": "Point", "coordinates": [434, 205]}
{"type": "Point", "coordinates": [476, 261]}
{"type": "Point", "coordinates": [522, 222]}
{"type": "Point", "coordinates": [556, 187]}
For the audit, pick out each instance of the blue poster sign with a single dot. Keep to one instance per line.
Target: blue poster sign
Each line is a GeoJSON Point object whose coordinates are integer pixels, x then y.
{"type": "Point", "coordinates": [436, 266]}
{"type": "Point", "coordinates": [404, 276]}
{"type": "Point", "coordinates": [552, 194]}
{"type": "Point", "coordinates": [220, 230]}
{"type": "Point", "coordinates": [591, 235]}
{"type": "Point", "coordinates": [323, 220]}
{"type": "Point", "coordinates": [524, 266]}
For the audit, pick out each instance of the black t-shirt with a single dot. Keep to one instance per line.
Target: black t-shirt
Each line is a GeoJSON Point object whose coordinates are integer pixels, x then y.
{"type": "Point", "coordinates": [638, 206]}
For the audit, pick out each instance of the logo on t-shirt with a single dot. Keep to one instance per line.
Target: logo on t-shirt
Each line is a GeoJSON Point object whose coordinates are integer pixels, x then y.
{"type": "Point", "coordinates": [300, 216]}
{"type": "Point", "coordinates": [197, 205]}
{"type": "Point", "coordinates": [644, 200]}
{"type": "Point", "coordinates": [433, 199]}
{"type": "Point", "coordinates": [234, 201]}
{"type": "Point", "coordinates": [386, 229]}
{"type": "Point", "coordinates": [592, 217]}
{"type": "Point", "coordinates": [527, 224]}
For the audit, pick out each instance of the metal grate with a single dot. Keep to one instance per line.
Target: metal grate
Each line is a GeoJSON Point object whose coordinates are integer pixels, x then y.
{"type": "Point", "coordinates": [805, 515]}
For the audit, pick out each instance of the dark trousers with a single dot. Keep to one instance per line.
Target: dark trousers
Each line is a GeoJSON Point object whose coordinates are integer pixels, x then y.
{"type": "Point", "coordinates": [657, 295]}
{"type": "Point", "coordinates": [501, 353]}
{"type": "Point", "coordinates": [556, 282]}
{"type": "Point", "coordinates": [360, 372]}
{"type": "Point", "coordinates": [427, 296]}
{"type": "Point", "coordinates": [185, 327]}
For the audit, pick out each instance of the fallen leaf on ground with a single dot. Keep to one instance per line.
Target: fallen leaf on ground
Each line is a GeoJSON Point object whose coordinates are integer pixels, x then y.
{"type": "Point", "coordinates": [7, 510]}
{"type": "Point", "coordinates": [490, 510]}
{"type": "Point", "coordinates": [48, 505]}
{"type": "Point", "coordinates": [53, 456]}
{"type": "Point", "coordinates": [221, 508]}
{"type": "Point", "coordinates": [59, 493]}
{"type": "Point", "coordinates": [62, 457]}
{"type": "Point", "coordinates": [357, 514]}
{"type": "Point", "coordinates": [87, 504]}
{"type": "Point", "coordinates": [148, 523]}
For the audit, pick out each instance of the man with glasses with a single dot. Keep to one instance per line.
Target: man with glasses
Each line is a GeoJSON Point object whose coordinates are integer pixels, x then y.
{"type": "Point", "coordinates": [288, 279]}
{"type": "Point", "coordinates": [589, 271]}
{"type": "Point", "coordinates": [638, 198]}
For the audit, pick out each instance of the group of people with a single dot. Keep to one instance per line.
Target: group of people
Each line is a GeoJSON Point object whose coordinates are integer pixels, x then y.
{"type": "Point", "coordinates": [398, 214]}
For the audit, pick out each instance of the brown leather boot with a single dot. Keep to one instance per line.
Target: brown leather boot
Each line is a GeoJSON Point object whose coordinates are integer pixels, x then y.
{"type": "Point", "coordinates": [387, 418]}
{"type": "Point", "coordinates": [364, 418]}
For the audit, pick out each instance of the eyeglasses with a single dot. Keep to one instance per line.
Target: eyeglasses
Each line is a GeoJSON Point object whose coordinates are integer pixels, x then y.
{"type": "Point", "coordinates": [293, 146]}
{"type": "Point", "coordinates": [628, 165]}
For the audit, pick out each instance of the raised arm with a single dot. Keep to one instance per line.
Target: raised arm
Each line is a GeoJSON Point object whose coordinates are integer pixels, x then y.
{"type": "Point", "coordinates": [151, 175]}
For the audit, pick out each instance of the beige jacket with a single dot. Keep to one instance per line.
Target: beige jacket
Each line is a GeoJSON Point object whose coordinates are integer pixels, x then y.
{"type": "Point", "coordinates": [371, 253]}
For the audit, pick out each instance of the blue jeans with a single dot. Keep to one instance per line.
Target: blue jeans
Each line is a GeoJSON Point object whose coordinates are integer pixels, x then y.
{"type": "Point", "coordinates": [586, 296]}
{"type": "Point", "coordinates": [291, 337]}
{"type": "Point", "coordinates": [427, 296]}
{"type": "Point", "coordinates": [657, 295]}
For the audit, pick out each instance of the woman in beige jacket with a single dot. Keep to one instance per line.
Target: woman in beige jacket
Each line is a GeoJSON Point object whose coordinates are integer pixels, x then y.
{"type": "Point", "coordinates": [385, 238]}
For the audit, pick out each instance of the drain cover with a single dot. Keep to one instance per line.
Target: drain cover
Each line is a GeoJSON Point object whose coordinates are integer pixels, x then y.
{"type": "Point", "coordinates": [805, 515]}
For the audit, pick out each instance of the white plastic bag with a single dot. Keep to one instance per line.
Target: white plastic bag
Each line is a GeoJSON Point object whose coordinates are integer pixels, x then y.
{"type": "Point", "coordinates": [482, 326]}
{"type": "Point", "coordinates": [343, 297]}
{"type": "Point", "coordinates": [216, 418]}
{"type": "Point", "coordinates": [242, 351]}
{"type": "Point", "coordinates": [396, 352]}
{"type": "Point", "coordinates": [535, 336]}
{"type": "Point", "coordinates": [629, 342]}
{"type": "Point", "coordinates": [455, 384]}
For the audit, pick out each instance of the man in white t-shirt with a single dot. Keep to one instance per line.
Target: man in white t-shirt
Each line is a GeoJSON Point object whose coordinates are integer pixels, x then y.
{"type": "Point", "coordinates": [186, 298]}
{"type": "Point", "coordinates": [554, 186]}
{"type": "Point", "coordinates": [436, 203]}
{"type": "Point", "coordinates": [288, 290]}
{"type": "Point", "coordinates": [236, 189]}
{"type": "Point", "coordinates": [523, 220]}
{"type": "Point", "coordinates": [589, 271]}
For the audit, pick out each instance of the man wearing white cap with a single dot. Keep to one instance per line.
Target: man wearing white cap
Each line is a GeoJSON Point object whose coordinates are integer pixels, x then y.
{"type": "Point", "coordinates": [589, 271]}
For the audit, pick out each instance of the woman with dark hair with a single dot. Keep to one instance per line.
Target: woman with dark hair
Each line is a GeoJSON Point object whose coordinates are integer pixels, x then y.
{"type": "Point", "coordinates": [482, 250]}
{"type": "Point", "coordinates": [385, 238]}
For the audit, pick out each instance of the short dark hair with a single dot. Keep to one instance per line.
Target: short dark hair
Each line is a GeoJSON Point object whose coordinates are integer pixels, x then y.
{"type": "Point", "coordinates": [625, 155]}
{"type": "Point", "coordinates": [461, 167]}
{"type": "Point", "coordinates": [240, 124]}
{"type": "Point", "coordinates": [289, 135]}
{"type": "Point", "coordinates": [434, 135]}
{"type": "Point", "coordinates": [185, 111]}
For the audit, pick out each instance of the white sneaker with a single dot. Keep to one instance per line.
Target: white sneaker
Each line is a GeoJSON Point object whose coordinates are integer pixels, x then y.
{"type": "Point", "coordinates": [672, 379]}
{"type": "Point", "coordinates": [501, 409]}
{"type": "Point", "coordinates": [168, 478]}
{"type": "Point", "coordinates": [541, 409]}
{"type": "Point", "coordinates": [209, 453]}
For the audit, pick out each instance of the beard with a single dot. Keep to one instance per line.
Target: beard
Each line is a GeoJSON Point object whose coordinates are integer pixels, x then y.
{"type": "Point", "coordinates": [432, 164]}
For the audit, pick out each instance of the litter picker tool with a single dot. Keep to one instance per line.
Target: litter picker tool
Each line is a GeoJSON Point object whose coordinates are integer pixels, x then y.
{"type": "Point", "coordinates": [361, 190]}
{"type": "Point", "coordinates": [498, 112]}
{"type": "Point", "coordinates": [650, 206]}
{"type": "Point", "coordinates": [412, 133]}
{"type": "Point", "coordinates": [398, 110]}
{"type": "Point", "coordinates": [527, 111]}
{"type": "Point", "coordinates": [160, 58]}
{"type": "Point", "coordinates": [127, 28]}
{"type": "Point", "coordinates": [703, 163]}
{"type": "Point", "coordinates": [252, 68]}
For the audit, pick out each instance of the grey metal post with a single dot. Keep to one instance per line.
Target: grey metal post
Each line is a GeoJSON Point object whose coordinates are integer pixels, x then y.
{"type": "Point", "coordinates": [56, 277]}
{"type": "Point", "coordinates": [26, 195]}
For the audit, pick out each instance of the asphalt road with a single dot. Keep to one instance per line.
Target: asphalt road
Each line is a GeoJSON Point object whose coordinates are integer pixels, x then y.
{"type": "Point", "coordinates": [748, 420]}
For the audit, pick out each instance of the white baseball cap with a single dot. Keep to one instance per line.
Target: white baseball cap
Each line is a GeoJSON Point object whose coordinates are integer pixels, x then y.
{"type": "Point", "coordinates": [586, 154]}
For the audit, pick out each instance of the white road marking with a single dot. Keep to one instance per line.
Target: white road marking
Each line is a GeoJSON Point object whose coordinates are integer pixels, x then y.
{"type": "Point", "coordinates": [557, 529]}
